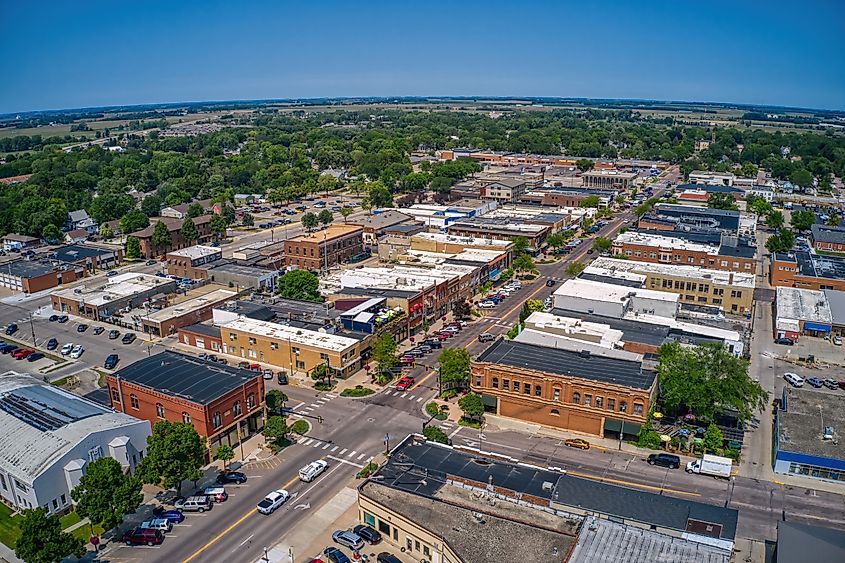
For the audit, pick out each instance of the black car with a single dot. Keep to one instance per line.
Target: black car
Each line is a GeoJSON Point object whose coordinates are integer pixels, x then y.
{"type": "Point", "coordinates": [128, 338]}
{"type": "Point", "coordinates": [52, 344]}
{"type": "Point", "coordinates": [6, 348]}
{"type": "Point", "coordinates": [283, 378]}
{"type": "Point", "coordinates": [385, 557]}
{"type": "Point", "coordinates": [785, 341]}
{"type": "Point", "coordinates": [665, 460]}
{"type": "Point", "coordinates": [99, 330]}
{"type": "Point", "coordinates": [34, 356]}
{"type": "Point", "coordinates": [53, 318]}
{"type": "Point", "coordinates": [367, 534]}
{"type": "Point", "coordinates": [335, 555]}
{"type": "Point", "coordinates": [114, 334]}
{"type": "Point", "coordinates": [550, 283]}
{"type": "Point", "coordinates": [231, 477]}
{"type": "Point", "coordinates": [62, 319]}
{"type": "Point", "coordinates": [111, 361]}
{"type": "Point", "coordinates": [11, 328]}
{"type": "Point", "coordinates": [81, 328]}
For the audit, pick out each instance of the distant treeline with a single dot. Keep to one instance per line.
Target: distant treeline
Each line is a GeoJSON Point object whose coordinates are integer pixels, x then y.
{"type": "Point", "coordinates": [757, 116]}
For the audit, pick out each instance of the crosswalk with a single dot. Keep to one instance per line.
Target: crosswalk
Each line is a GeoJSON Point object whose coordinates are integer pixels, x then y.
{"type": "Point", "coordinates": [305, 409]}
{"type": "Point", "coordinates": [334, 449]}
{"type": "Point", "coordinates": [390, 392]}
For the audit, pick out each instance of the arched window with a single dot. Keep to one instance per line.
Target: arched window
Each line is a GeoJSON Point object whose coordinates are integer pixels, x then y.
{"type": "Point", "coordinates": [236, 408]}
{"type": "Point", "coordinates": [159, 410]}
{"type": "Point", "coordinates": [576, 398]}
{"type": "Point", "coordinates": [186, 418]}
{"type": "Point", "coordinates": [555, 412]}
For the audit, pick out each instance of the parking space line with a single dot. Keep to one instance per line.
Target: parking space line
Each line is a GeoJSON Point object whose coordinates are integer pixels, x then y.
{"type": "Point", "coordinates": [350, 454]}
{"type": "Point", "coordinates": [326, 446]}
{"type": "Point", "coordinates": [360, 456]}
{"type": "Point", "coordinates": [335, 448]}
{"type": "Point", "coordinates": [343, 451]}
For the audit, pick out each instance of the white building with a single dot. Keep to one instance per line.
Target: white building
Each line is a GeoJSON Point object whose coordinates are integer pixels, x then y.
{"type": "Point", "coordinates": [48, 437]}
{"type": "Point", "coordinates": [616, 301]}
{"type": "Point", "coordinates": [712, 178]}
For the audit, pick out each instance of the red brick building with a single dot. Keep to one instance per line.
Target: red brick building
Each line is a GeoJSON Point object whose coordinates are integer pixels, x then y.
{"type": "Point", "coordinates": [326, 248]}
{"type": "Point", "coordinates": [223, 403]}
{"type": "Point", "coordinates": [177, 241]}
{"type": "Point", "coordinates": [659, 249]}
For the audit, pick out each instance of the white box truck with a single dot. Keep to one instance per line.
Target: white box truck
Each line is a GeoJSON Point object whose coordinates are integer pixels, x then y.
{"type": "Point", "coordinates": [711, 465]}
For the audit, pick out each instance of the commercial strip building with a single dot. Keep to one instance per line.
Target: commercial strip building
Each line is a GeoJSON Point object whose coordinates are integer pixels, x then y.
{"type": "Point", "coordinates": [608, 179]}
{"type": "Point", "coordinates": [827, 238]}
{"type": "Point", "coordinates": [15, 241]}
{"type": "Point", "coordinates": [502, 228]}
{"type": "Point", "coordinates": [92, 257]}
{"type": "Point", "coordinates": [48, 437]}
{"type": "Point", "coordinates": [807, 270]}
{"type": "Point", "coordinates": [447, 505]}
{"type": "Point", "coordinates": [293, 348]}
{"type": "Point", "coordinates": [187, 262]}
{"type": "Point", "coordinates": [119, 293]}
{"type": "Point", "coordinates": [446, 243]}
{"type": "Point", "coordinates": [177, 241]}
{"type": "Point", "coordinates": [321, 250]}
{"type": "Point", "coordinates": [712, 178]}
{"type": "Point", "coordinates": [732, 254]}
{"type": "Point", "coordinates": [569, 196]}
{"type": "Point", "coordinates": [168, 320]}
{"type": "Point", "coordinates": [671, 217]}
{"type": "Point", "coordinates": [504, 190]}
{"type": "Point", "coordinates": [31, 276]}
{"type": "Point", "coordinates": [207, 263]}
{"type": "Point", "coordinates": [223, 403]}
{"type": "Point", "coordinates": [809, 312]}
{"type": "Point", "coordinates": [438, 217]}
{"type": "Point", "coordinates": [374, 225]}
{"type": "Point", "coordinates": [795, 541]}
{"type": "Point", "coordinates": [558, 218]}
{"type": "Point", "coordinates": [807, 437]}
{"type": "Point", "coordinates": [732, 292]}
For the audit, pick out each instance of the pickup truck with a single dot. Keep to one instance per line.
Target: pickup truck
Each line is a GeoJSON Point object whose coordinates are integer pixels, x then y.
{"type": "Point", "coordinates": [711, 465]}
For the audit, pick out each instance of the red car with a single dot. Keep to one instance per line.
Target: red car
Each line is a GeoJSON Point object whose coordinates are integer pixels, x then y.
{"type": "Point", "coordinates": [407, 360]}
{"type": "Point", "coordinates": [405, 383]}
{"type": "Point", "coordinates": [21, 353]}
{"type": "Point", "coordinates": [141, 536]}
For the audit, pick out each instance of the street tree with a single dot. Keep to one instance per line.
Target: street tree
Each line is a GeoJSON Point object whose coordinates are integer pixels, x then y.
{"type": "Point", "coordinates": [325, 217]}
{"type": "Point", "coordinates": [575, 268]}
{"type": "Point", "coordinates": [802, 220]}
{"type": "Point", "coordinates": [276, 428]}
{"type": "Point", "coordinates": [584, 164]}
{"type": "Point", "coordinates": [379, 194]}
{"type": "Point", "coordinates": [105, 493]}
{"type": "Point", "coordinates": [247, 220]}
{"type": "Point", "coordinates": [134, 220]}
{"type": "Point", "coordinates": [718, 200]}
{"type": "Point", "coordinates": [833, 220]}
{"type": "Point", "coordinates": [275, 400]}
{"type": "Point", "coordinates": [774, 219]}
{"type": "Point", "coordinates": [472, 407]}
{"type": "Point", "coordinates": [530, 306]}
{"type": "Point", "coordinates": [161, 235]}
{"type": "Point", "coordinates": [782, 241]}
{"type": "Point", "coordinates": [346, 212]}
{"type": "Point", "coordinates": [454, 368]}
{"type": "Point", "coordinates": [309, 221]}
{"type": "Point", "coordinates": [299, 284]}
{"type": "Point", "coordinates": [462, 309]}
{"type": "Point", "coordinates": [707, 380]}
{"type": "Point", "coordinates": [434, 434]}
{"type": "Point", "coordinates": [602, 244]}
{"type": "Point", "coordinates": [106, 231]}
{"type": "Point", "coordinates": [189, 230]}
{"type": "Point", "coordinates": [175, 453]}
{"type": "Point", "coordinates": [43, 541]}
{"type": "Point", "coordinates": [520, 245]}
{"type": "Point", "coordinates": [555, 240]}
{"type": "Point", "coordinates": [384, 351]}
{"type": "Point", "coordinates": [133, 247]}
{"type": "Point", "coordinates": [225, 453]}
{"type": "Point", "coordinates": [713, 439]}
{"type": "Point", "coordinates": [322, 373]}
{"type": "Point", "coordinates": [523, 262]}
{"type": "Point", "coordinates": [217, 225]}
{"type": "Point", "coordinates": [591, 201]}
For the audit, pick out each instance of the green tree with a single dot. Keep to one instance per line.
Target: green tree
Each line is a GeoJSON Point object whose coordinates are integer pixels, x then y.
{"type": "Point", "coordinates": [299, 284]}
{"type": "Point", "coordinates": [189, 230]}
{"type": "Point", "coordinates": [574, 268]}
{"type": "Point", "coordinates": [51, 233]}
{"type": "Point", "coordinates": [133, 247]}
{"type": "Point", "coordinates": [782, 241]}
{"type": "Point", "coordinates": [748, 170]}
{"type": "Point", "coordinates": [275, 400]}
{"type": "Point", "coordinates": [801, 177]}
{"type": "Point", "coordinates": [175, 453]}
{"type": "Point", "coordinates": [325, 217]}
{"type": "Point", "coordinates": [276, 429]}
{"type": "Point", "coordinates": [472, 406]}
{"type": "Point", "coordinates": [713, 439]}
{"type": "Point", "coordinates": [591, 201]}
{"type": "Point", "coordinates": [454, 366]}
{"type": "Point", "coordinates": [105, 493]}
{"type": "Point", "coordinates": [379, 195]}
{"type": "Point", "coordinates": [555, 240]}
{"type": "Point", "coordinates": [530, 306]}
{"type": "Point", "coordinates": [309, 221]}
{"type": "Point", "coordinates": [106, 231]}
{"type": "Point", "coordinates": [217, 225]}
{"type": "Point", "coordinates": [707, 380]}
{"type": "Point", "coordinates": [718, 200]}
{"type": "Point", "coordinates": [195, 210]}
{"type": "Point", "coordinates": [802, 220]}
{"type": "Point", "coordinates": [247, 220]}
{"type": "Point", "coordinates": [461, 310]}
{"type": "Point", "coordinates": [602, 244]}
{"type": "Point", "coordinates": [833, 220]}
{"type": "Point", "coordinates": [774, 219]}
{"type": "Point", "coordinates": [161, 236]}
{"type": "Point", "coordinates": [225, 453]}
{"type": "Point", "coordinates": [134, 220]}
{"type": "Point", "coordinates": [43, 541]}
{"type": "Point", "coordinates": [228, 214]}
{"type": "Point", "coordinates": [434, 434]}
{"type": "Point", "coordinates": [523, 262]}
{"type": "Point", "coordinates": [151, 205]}
{"type": "Point", "coordinates": [520, 246]}
{"type": "Point", "coordinates": [584, 164]}
{"type": "Point", "coordinates": [109, 206]}
{"type": "Point", "coordinates": [321, 373]}
{"type": "Point", "coordinates": [346, 212]}
{"type": "Point", "coordinates": [384, 351]}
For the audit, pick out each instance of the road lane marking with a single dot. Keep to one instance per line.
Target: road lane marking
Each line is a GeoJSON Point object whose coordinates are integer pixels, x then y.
{"type": "Point", "coordinates": [326, 446]}
{"type": "Point", "coordinates": [335, 448]}
{"type": "Point", "coordinates": [419, 399]}
{"type": "Point", "coordinates": [343, 451]}
{"type": "Point", "coordinates": [346, 461]}
{"type": "Point", "coordinates": [458, 429]}
{"type": "Point", "coordinates": [404, 395]}
{"type": "Point", "coordinates": [310, 440]}
{"type": "Point", "coordinates": [246, 540]}
{"type": "Point", "coordinates": [360, 456]}
{"type": "Point", "coordinates": [316, 444]}
{"type": "Point", "coordinates": [631, 483]}
{"type": "Point", "coordinates": [350, 454]}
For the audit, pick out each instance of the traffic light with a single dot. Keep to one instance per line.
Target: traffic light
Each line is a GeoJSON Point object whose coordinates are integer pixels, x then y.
{"type": "Point", "coordinates": [320, 419]}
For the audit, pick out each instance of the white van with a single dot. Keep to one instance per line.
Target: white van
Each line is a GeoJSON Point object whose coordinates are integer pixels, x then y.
{"type": "Point", "coordinates": [312, 470]}
{"type": "Point", "coordinates": [793, 378]}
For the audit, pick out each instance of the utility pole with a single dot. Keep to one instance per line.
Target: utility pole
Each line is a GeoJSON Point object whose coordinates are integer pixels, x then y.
{"type": "Point", "coordinates": [32, 328]}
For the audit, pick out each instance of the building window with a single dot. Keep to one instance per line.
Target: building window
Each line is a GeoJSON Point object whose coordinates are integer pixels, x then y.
{"type": "Point", "coordinates": [250, 401]}
{"type": "Point", "coordinates": [477, 380]}
{"type": "Point", "coordinates": [588, 400]}
{"type": "Point", "coordinates": [516, 385]}
{"type": "Point", "coordinates": [186, 418]}
{"type": "Point", "coordinates": [236, 408]}
{"type": "Point", "coordinates": [55, 504]}
{"type": "Point", "coordinates": [133, 401]}
{"type": "Point", "coordinates": [576, 398]}
{"type": "Point", "coordinates": [506, 384]}
{"type": "Point", "coordinates": [556, 394]}
{"type": "Point", "coordinates": [638, 409]}
{"type": "Point", "coordinates": [95, 453]}
{"type": "Point", "coordinates": [300, 364]}
{"type": "Point", "coordinates": [64, 500]}
{"type": "Point", "coordinates": [599, 402]}
{"type": "Point", "coordinates": [216, 420]}
{"type": "Point", "coordinates": [295, 350]}
{"type": "Point", "coordinates": [623, 406]}
{"type": "Point", "coordinates": [383, 526]}
{"type": "Point", "coordinates": [554, 412]}
{"type": "Point", "coordinates": [526, 388]}
{"type": "Point", "coordinates": [252, 353]}
{"type": "Point", "coordinates": [233, 336]}
{"type": "Point", "coordinates": [251, 340]}
{"type": "Point", "coordinates": [3, 483]}
{"type": "Point", "coordinates": [538, 391]}
{"type": "Point", "coordinates": [495, 383]}
{"type": "Point", "coordinates": [611, 404]}
{"type": "Point", "coordinates": [159, 410]}
{"type": "Point", "coordinates": [115, 395]}
{"type": "Point", "coordinates": [274, 345]}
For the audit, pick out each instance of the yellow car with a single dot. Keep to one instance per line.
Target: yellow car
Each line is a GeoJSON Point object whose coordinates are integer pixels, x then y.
{"type": "Point", "coordinates": [577, 443]}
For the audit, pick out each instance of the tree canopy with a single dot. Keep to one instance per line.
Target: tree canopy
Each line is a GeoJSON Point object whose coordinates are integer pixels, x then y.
{"type": "Point", "coordinates": [299, 284]}
{"type": "Point", "coordinates": [454, 366]}
{"type": "Point", "coordinates": [161, 235]}
{"type": "Point", "coordinates": [105, 493]}
{"type": "Point", "coordinates": [133, 247]}
{"type": "Point", "coordinates": [175, 453]}
{"type": "Point", "coordinates": [718, 200]}
{"type": "Point", "coordinates": [802, 220]}
{"type": "Point", "coordinates": [189, 230]}
{"type": "Point", "coordinates": [309, 220]}
{"type": "Point", "coordinates": [472, 406]}
{"type": "Point", "coordinates": [384, 351]}
{"type": "Point", "coordinates": [43, 541]}
{"type": "Point", "coordinates": [781, 241]}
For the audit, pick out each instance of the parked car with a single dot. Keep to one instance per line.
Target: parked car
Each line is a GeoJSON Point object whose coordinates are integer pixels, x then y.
{"type": "Point", "coordinates": [486, 305]}
{"type": "Point", "coordinates": [815, 382]}
{"type": "Point", "coordinates": [837, 340]}
{"type": "Point", "coordinates": [174, 516]}
{"type": "Point", "coordinates": [53, 318]}
{"type": "Point", "coordinates": [267, 374]}
{"type": "Point", "coordinates": [77, 351]}
{"type": "Point", "coordinates": [11, 328]}
{"type": "Point", "coordinates": [794, 379]}
{"type": "Point", "coordinates": [486, 337]}
{"type": "Point", "coordinates": [81, 327]}
{"type": "Point", "coordinates": [62, 319]}
{"type": "Point", "coordinates": [197, 503]}
{"type": "Point", "coordinates": [52, 344]}
{"type": "Point", "coordinates": [433, 342]}
{"type": "Point", "coordinates": [665, 460]}
{"type": "Point", "coordinates": [272, 501]}
{"type": "Point", "coordinates": [21, 353]}
{"type": "Point", "coordinates": [367, 534]}
{"type": "Point", "coordinates": [335, 555]}
{"type": "Point", "coordinates": [67, 349]}
{"type": "Point", "coordinates": [385, 557]}
{"type": "Point", "coordinates": [111, 274]}
{"type": "Point", "coordinates": [99, 330]}
{"type": "Point", "coordinates": [128, 338]}
{"type": "Point", "coordinates": [312, 470]}
{"type": "Point", "coordinates": [785, 341]}
{"type": "Point", "coordinates": [114, 334]}
{"type": "Point", "coordinates": [282, 378]}
{"type": "Point", "coordinates": [830, 384]}
{"type": "Point", "coordinates": [579, 443]}
{"type": "Point", "coordinates": [231, 477]}
{"type": "Point", "coordinates": [111, 361]}
{"type": "Point", "coordinates": [216, 494]}
{"type": "Point", "coordinates": [7, 348]}
{"type": "Point", "coordinates": [35, 356]}
{"type": "Point", "coordinates": [162, 524]}
{"type": "Point", "coordinates": [405, 383]}
{"type": "Point", "coordinates": [348, 539]}
{"type": "Point", "coordinates": [143, 536]}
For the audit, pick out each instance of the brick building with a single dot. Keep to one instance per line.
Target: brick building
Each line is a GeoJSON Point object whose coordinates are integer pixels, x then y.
{"type": "Point", "coordinates": [807, 271]}
{"type": "Point", "coordinates": [326, 248]}
{"type": "Point", "coordinates": [203, 336]}
{"type": "Point", "coordinates": [827, 238]}
{"type": "Point", "coordinates": [732, 255]}
{"type": "Point", "coordinates": [502, 229]}
{"type": "Point", "coordinates": [608, 179]}
{"type": "Point", "coordinates": [186, 262]}
{"type": "Point", "coordinates": [177, 241]}
{"type": "Point", "coordinates": [570, 390]}
{"type": "Point", "coordinates": [168, 320]}
{"type": "Point", "coordinates": [30, 276]}
{"type": "Point", "coordinates": [223, 403]}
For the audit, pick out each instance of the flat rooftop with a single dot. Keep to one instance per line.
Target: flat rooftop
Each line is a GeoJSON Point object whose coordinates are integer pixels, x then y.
{"type": "Point", "coordinates": [575, 328]}
{"type": "Point", "coordinates": [404, 278]}
{"type": "Point", "coordinates": [800, 425]}
{"type": "Point", "coordinates": [675, 243]}
{"type": "Point", "coordinates": [331, 232]}
{"type": "Point", "coordinates": [608, 292]}
{"type": "Point", "coordinates": [616, 266]}
{"type": "Point", "coordinates": [25, 269]}
{"type": "Point", "coordinates": [503, 224]}
{"type": "Point", "coordinates": [300, 336]}
{"type": "Point", "coordinates": [462, 240]}
{"type": "Point", "coordinates": [194, 252]}
{"type": "Point", "coordinates": [185, 377]}
{"type": "Point", "coordinates": [815, 265]}
{"type": "Point", "coordinates": [557, 361]}
{"type": "Point", "coordinates": [240, 270]}
{"type": "Point", "coordinates": [803, 304]}
{"type": "Point", "coordinates": [191, 305]}
{"type": "Point", "coordinates": [610, 173]}
{"type": "Point", "coordinates": [382, 219]}
{"type": "Point", "coordinates": [76, 252]}
{"type": "Point", "coordinates": [117, 287]}
{"type": "Point", "coordinates": [298, 308]}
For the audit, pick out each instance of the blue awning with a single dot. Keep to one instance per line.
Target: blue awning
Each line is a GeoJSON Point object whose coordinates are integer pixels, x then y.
{"type": "Point", "coordinates": [816, 326]}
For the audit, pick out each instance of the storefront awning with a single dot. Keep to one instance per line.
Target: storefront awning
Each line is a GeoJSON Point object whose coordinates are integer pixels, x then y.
{"type": "Point", "coordinates": [614, 425]}
{"type": "Point", "coordinates": [818, 327]}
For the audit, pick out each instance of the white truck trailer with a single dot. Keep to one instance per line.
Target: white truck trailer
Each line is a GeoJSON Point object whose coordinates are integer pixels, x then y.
{"type": "Point", "coordinates": [711, 465]}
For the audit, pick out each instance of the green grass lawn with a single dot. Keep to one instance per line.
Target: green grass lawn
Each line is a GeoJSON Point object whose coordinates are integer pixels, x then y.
{"type": "Point", "coordinates": [69, 520]}
{"type": "Point", "coordinates": [9, 530]}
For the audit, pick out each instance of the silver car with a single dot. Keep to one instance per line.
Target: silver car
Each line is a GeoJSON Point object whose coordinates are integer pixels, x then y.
{"type": "Point", "coordinates": [348, 539]}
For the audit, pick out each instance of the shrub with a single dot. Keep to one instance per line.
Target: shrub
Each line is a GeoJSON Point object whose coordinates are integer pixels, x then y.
{"type": "Point", "coordinates": [300, 427]}
{"type": "Point", "coordinates": [434, 434]}
{"type": "Point", "coordinates": [448, 394]}
{"type": "Point", "coordinates": [463, 421]}
{"type": "Point", "coordinates": [323, 386]}
{"type": "Point", "coordinates": [432, 409]}
{"type": "Point", "coordinates": [367, 470]}
{"type": "Point", "coordinates": [358, 391]}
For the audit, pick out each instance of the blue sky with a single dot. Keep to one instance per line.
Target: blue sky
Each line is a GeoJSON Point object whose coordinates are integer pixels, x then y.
{"type": "Point", "coordinates": [91, 53]}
